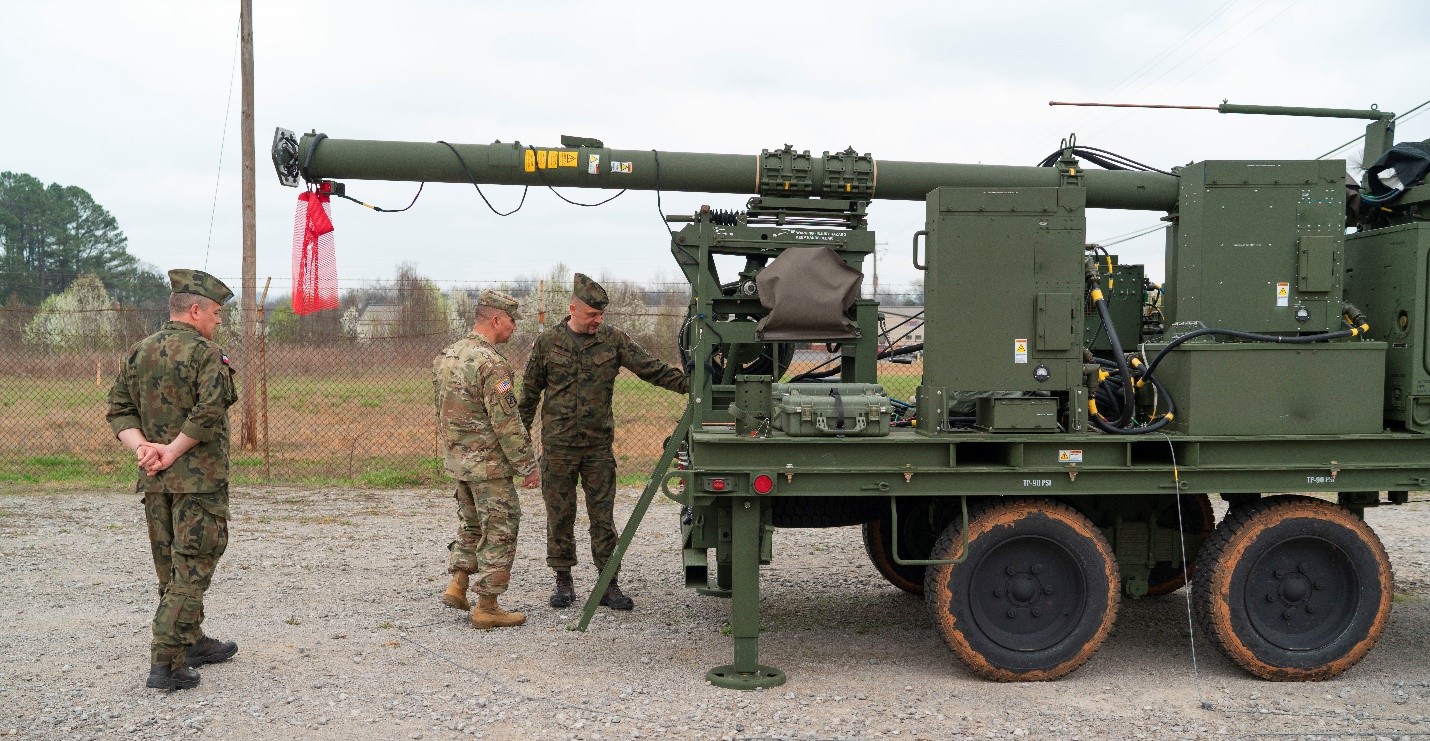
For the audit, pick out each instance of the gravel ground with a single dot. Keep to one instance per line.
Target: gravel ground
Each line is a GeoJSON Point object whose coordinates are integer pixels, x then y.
{"type": "Point", "coordinates": [332, 597]}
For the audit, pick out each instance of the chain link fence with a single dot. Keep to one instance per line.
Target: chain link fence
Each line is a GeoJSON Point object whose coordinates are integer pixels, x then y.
{"type": "Point", "coordinates": [341, 396]}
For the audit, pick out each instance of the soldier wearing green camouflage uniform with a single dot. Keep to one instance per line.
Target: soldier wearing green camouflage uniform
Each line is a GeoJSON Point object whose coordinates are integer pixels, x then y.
{"type": "Point", "coordinates": [486, 445]}
{"type": "Point", "coordinates": [574, 364]}
{"type": "Point", "coordinates": [169, 404]}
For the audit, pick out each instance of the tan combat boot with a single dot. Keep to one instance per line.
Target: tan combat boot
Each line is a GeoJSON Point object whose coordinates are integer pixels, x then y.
{"type": "Point", "coordinates": [488, 615]}
{"type": "Point", "coordinates": [456, 594]}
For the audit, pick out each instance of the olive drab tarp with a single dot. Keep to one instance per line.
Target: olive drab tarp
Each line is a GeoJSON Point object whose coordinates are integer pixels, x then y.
{"type": "Point", "coordinates": [807, 291]}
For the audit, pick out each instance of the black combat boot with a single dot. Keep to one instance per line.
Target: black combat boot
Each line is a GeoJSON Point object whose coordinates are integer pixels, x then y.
{"type": "Point", "coordinates": [209, 651]}
{"type": "Point", "coordinates": [161, 677]}
{"type": "Point", "coordinates": [565, 590]}
{"type": "Point", "coordinates": [614, 599]}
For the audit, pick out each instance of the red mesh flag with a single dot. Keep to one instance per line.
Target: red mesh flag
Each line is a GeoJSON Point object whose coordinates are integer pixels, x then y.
{"type": "Point", "coordinates": [315, 275]}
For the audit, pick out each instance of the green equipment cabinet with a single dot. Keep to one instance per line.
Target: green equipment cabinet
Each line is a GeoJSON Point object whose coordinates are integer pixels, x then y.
{"type": "Point", "coordinates": [1386, 276]}
{"type": "Point", "coordinates": [1070, 430]}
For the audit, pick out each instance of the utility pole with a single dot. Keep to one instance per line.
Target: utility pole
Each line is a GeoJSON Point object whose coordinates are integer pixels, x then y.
{"type": "Point", "coordinates": [248, 439]}
{"type": "Point", "coordinates": [877, 245]}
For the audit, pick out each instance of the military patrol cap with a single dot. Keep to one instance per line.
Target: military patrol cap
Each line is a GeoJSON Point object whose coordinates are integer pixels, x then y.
{"type": "Point", "coordinates": [199, 283]}
{"type": "Point", "coordinates": [590, 292]}
{"type": "Point", "coordinates": [499, 300]}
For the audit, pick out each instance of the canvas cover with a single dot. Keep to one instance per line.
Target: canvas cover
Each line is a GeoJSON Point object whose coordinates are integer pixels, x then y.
{"type": "Point", "coordinates": [807, 291]}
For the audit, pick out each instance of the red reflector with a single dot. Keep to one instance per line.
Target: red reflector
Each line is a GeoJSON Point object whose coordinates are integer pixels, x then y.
{"type": "Point", "coordinates": [763, 484]}
{"type": "Point", "coordinates": [717, 484]}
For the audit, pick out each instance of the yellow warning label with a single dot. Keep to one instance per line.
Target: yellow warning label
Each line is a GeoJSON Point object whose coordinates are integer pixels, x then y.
{"type": "Point", "coordinates": [529, 161]}
{"type": "Point", "coordinates": [541, 159]}
{"type": "Point", "coordinates": [566, 159]}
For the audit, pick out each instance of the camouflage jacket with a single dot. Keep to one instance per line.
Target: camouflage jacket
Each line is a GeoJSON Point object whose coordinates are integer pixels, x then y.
{"type": "Point", "coordinates": [176, 381]}
{"type": "Point", "coordinates": [578, 376]}
{"type": "Point", "coordinates": [476, 413]}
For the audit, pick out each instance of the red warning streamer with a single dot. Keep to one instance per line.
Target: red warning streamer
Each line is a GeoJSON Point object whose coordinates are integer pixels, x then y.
{"type": "Point", "coordinates": [315, 275]}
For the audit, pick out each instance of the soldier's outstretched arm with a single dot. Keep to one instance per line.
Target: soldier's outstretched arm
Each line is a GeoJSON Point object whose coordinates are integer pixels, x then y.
{"type": "Point", "coordinates": [651, 369]}
{"type": "Point", "coordinates": [499, 396]}
{"type": "Point", "coordinates": [533, 382]}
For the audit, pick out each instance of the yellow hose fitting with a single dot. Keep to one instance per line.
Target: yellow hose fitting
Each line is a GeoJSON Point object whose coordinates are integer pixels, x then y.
{"type": "Point", "coordinates": [1096, 294]}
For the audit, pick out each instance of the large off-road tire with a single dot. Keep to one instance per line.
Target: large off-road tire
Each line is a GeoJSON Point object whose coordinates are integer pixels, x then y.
{"type": "Point", "coordinates": [878, 543]}
{"type": "Point", "coordinates": [1293, 588]}
{"type": "Point", "coordinates": [1197, 518]}
{"type": "Point", "coordinates": [1035, 598]}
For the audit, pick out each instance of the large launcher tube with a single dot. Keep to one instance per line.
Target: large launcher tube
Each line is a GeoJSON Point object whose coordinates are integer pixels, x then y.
{"type": "Point", "coordinates": [779, 172]}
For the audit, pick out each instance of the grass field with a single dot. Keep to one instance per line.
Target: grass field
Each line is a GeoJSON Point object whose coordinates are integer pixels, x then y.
{"type": "Point", "coordinates": [371, 426]}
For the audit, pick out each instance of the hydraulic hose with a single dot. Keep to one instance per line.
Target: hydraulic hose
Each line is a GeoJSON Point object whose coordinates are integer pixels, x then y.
{"type": "Point", "coordinates": [1128, 392]}
{"type": "Point", "coordinates": [1359, 319]}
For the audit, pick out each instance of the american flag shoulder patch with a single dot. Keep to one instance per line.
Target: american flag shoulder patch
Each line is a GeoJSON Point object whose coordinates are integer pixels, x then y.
{"type": "Point", "coordinates": [504, 386]}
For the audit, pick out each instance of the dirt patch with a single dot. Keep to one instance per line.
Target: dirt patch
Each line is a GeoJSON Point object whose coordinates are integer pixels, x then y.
{"type": "Point", "coordinates": [332, 597]}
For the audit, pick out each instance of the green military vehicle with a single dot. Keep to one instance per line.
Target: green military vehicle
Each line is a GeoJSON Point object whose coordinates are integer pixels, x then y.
{"type": "Point", "coordinates": [1073, 421]}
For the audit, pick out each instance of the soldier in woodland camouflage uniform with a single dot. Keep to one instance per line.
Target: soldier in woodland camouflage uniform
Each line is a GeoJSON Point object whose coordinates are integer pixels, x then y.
{"type": "Point", "coordinates": [169, 404]}
{"type": "Point", "coordinates": [575, 364]}
{"type": "Point", "coordinates": [486, 446]}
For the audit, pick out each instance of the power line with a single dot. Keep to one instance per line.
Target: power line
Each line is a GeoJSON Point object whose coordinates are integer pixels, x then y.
{"type": "Point", "coordinates": [222, 139]}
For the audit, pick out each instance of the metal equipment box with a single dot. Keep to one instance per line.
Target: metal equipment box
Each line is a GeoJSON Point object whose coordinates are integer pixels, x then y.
{"type": "Point", "coordinates": [1386, 274]}
{"type": "Point", "coordinates": [1026, 414]}
{"type": "Point", "coordinates": [1007, 311]}
{"type": "Point", "coordinates": [1275, 230]}
{"type": "Point", "coordinates": [1245, 388]}
{"type": "Point", "coordinates": [1125, 291]}
{"type": "Point", "coordinates": [831, 409]}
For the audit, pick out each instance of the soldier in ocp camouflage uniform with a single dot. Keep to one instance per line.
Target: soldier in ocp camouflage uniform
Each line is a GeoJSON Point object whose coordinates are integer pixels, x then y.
{"type": "Point", "coordinates": [574, 364]}
{"type": "Point", "coordinates": [169, 404]}
{"type": "Point", "coordinates": [486, 446]}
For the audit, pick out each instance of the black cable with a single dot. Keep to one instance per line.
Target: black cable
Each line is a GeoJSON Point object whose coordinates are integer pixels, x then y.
{"type": "Point", "coordinates": [1102, 158]}
{"type": "Point", "coordinates": [1296, 340]}
{"type": "Point", "coordinates": [658, 208]}
{"type": "Point", "coordinates": [815, 374]}
{"type": "Point", "coordinates": [382, 210]}
{"type": "Point", "coordinates": [1129, 401]}
{"type": "Point", "coordinates": [547, 183]}
{"type": "Point", "coordinates": [473, 178]}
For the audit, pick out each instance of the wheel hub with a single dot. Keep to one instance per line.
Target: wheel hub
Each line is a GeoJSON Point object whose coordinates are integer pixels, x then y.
{"type": "Point", "coordinates": [1299, 601]}
{"type": "Point", "coordinates": [1028, 594]}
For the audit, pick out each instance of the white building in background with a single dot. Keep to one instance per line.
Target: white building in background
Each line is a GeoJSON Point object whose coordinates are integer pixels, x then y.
{"type": "Point", "coordinates": [905, 324]}
{"type": "Point", "coordinates": [378, 320]}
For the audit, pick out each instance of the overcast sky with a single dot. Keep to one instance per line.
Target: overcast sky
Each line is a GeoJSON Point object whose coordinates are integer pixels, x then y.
{"type": "Point", "coordinates": [128, 100]}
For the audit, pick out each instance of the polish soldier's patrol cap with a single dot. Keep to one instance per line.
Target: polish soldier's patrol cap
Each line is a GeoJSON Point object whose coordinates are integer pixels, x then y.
{"type": "Point", "coordinates": [199, 283]}
{"type": "Point", "coordinates": [590, 292]}
{"type": "Point", "coordinates": [499, 300]}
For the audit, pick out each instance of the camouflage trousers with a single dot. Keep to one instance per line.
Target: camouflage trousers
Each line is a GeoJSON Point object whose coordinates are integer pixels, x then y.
{"type": "Point", "coordinates": [595, 466]}
{"type": "Point", "coordinates": [485, 547]}
{"type": "Point", "coordinates": [187, 535]}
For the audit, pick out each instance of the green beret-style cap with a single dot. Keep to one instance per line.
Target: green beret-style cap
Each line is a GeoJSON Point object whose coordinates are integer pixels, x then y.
{"type": "Point", "coordinates": [199, 283]}
{"type": "Point", "coordinates": [499, 300]}
{"type": "Point", "coordinates": [590, 292]}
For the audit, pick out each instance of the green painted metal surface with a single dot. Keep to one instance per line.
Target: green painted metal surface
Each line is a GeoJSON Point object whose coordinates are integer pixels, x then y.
{"type": "Point", "coordinates": [1256, 246]}
{"type": "Point", "coordinates": [1388, 277]}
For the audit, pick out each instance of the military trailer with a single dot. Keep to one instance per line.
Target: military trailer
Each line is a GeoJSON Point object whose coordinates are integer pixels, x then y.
{"type": "Point", "coordinates": [1073, 420]}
